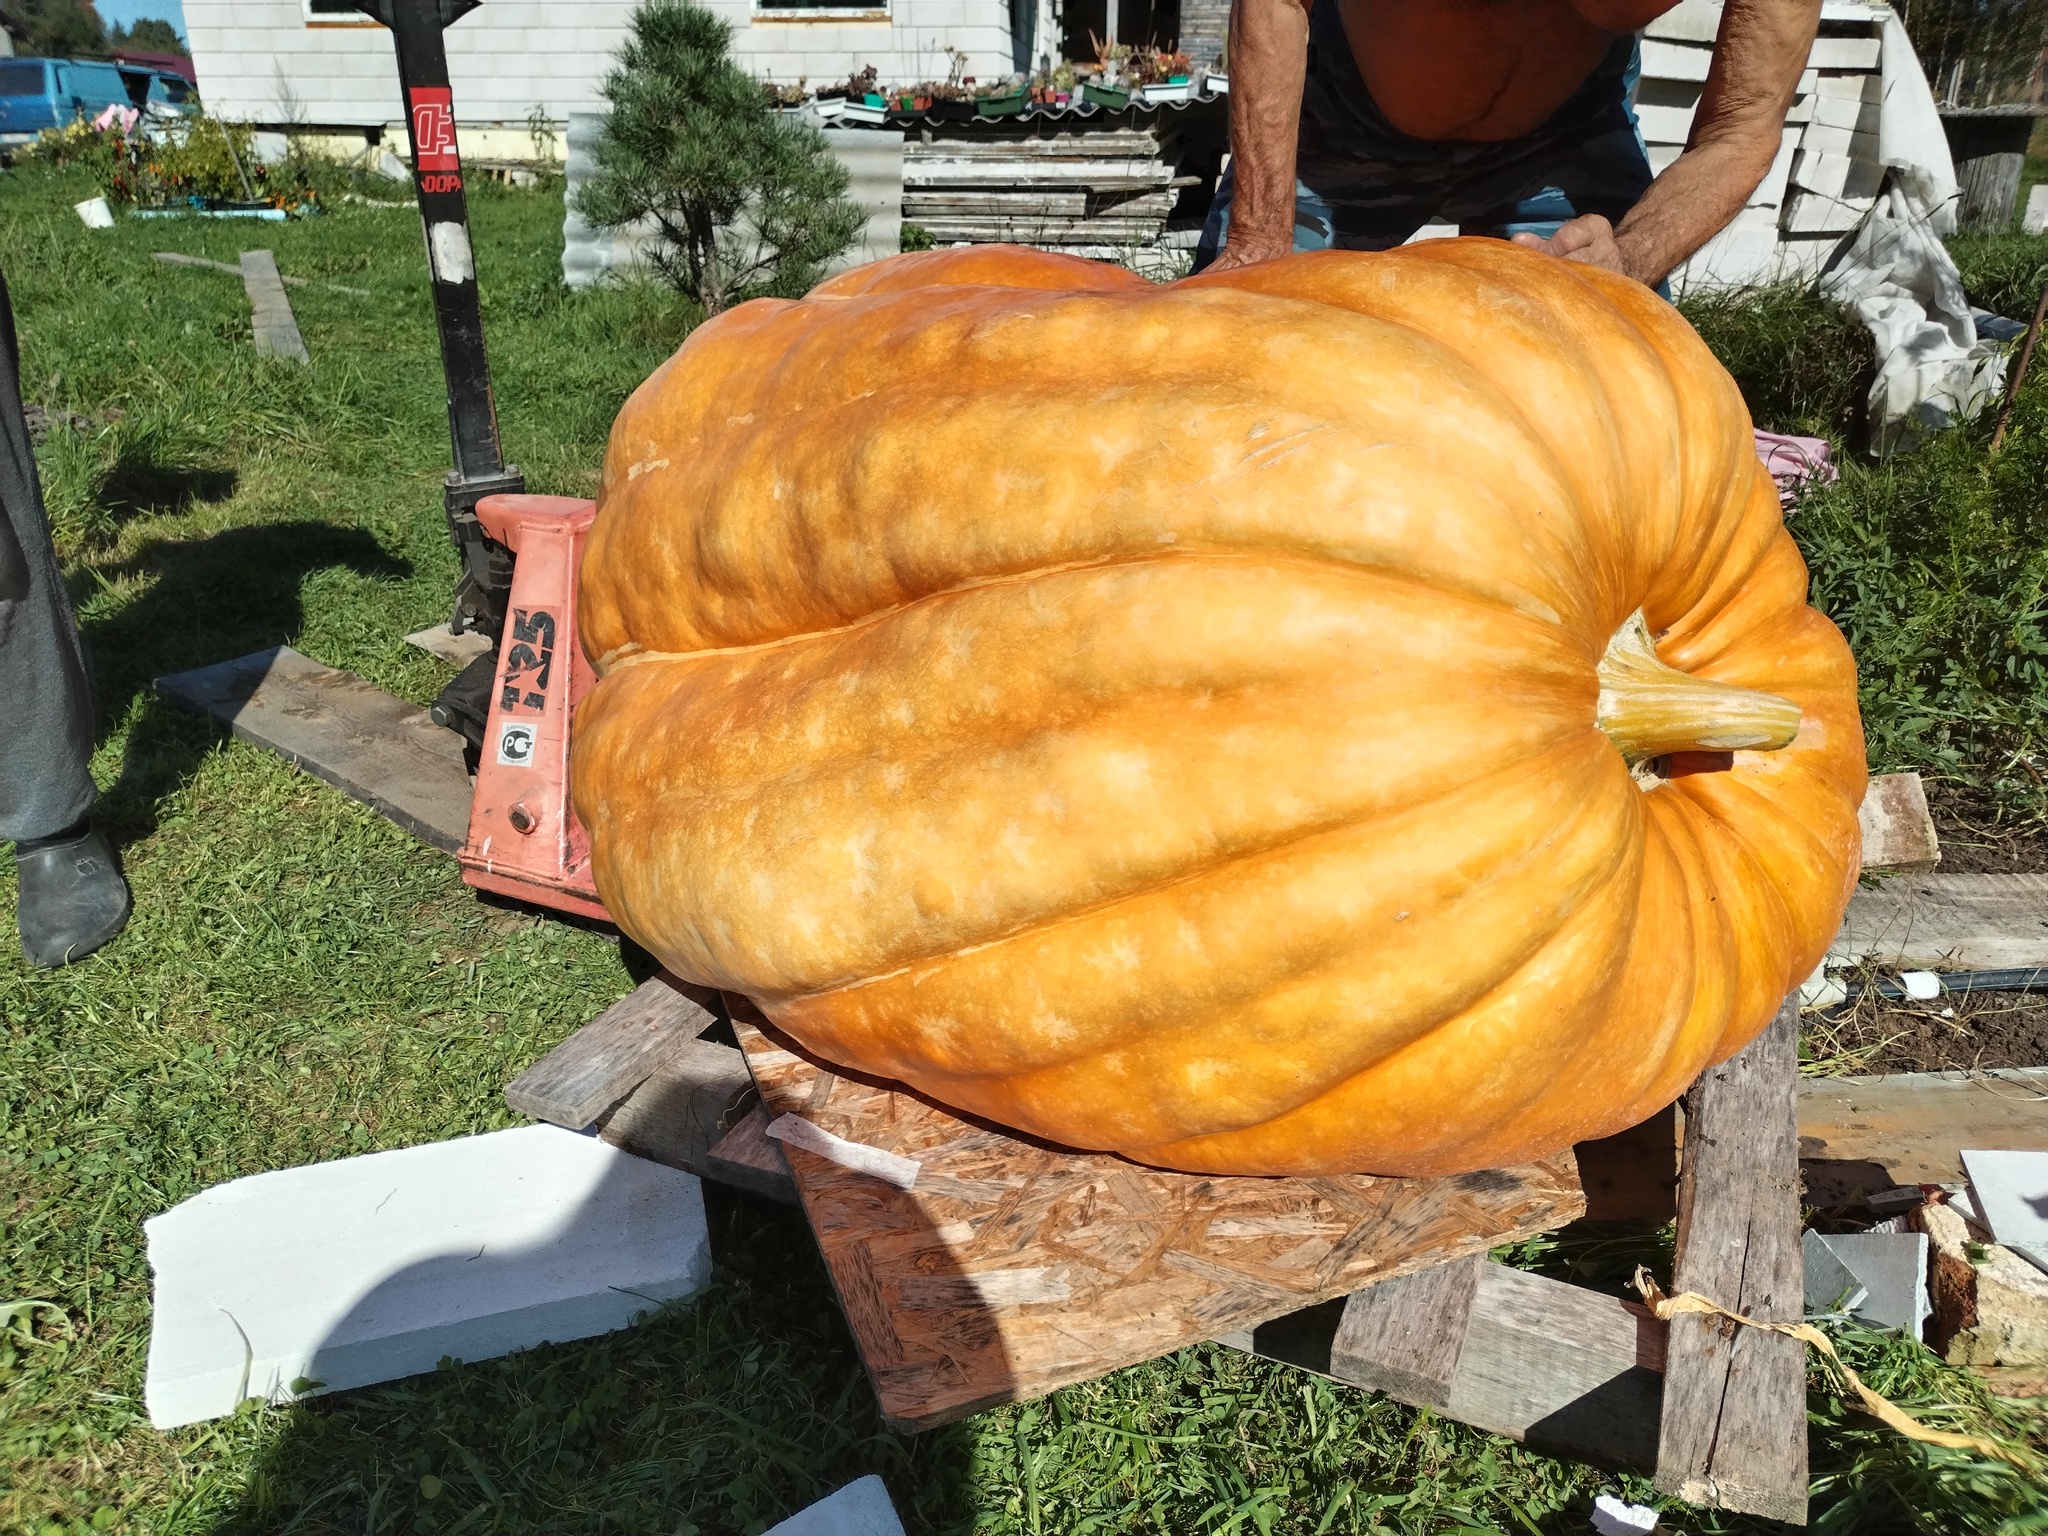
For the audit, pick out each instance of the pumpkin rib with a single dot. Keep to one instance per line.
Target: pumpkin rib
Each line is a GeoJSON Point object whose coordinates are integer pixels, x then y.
{"type": "Point", "coordinates": [1237, 991]}
{"type": "Point", "coordinates": [930, 420]}
{"type": "Point", "coordinates": [1414, 310]}
{"type": "Point", "coordinates": [1547, 701]}
{"type": "Point", "coordinates": [1247, 553]}
{"type": "Point", "coordinates": [1029, 924]}
{"type": "Point", "coordinates": [1452, 1058]}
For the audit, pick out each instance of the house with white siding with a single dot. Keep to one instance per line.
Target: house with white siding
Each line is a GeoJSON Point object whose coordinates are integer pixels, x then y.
{"type": "Point", "coordinates": [322, 65]}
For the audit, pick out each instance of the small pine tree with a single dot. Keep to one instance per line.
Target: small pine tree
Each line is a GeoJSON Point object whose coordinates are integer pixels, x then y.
{"type": "Point", "coordinates": [749, 202]}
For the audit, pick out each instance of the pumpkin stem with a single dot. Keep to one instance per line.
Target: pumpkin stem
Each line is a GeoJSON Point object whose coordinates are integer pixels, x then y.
{"type": "Point", "coordinates": [1648, 709]}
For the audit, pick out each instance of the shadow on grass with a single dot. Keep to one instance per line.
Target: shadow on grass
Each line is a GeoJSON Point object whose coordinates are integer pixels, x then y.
{"type": "Point", "coordinates": [721, 1416]}
{"type": "Point", "coordinates": [138, 484]}
{"type": "Point", "coordinates": [202, 601]}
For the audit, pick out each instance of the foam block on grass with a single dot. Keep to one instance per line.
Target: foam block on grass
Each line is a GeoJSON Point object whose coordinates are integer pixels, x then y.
{"type": "Point", "coordinates": [858, 1509]}
{"type": "Point", "coordinates": [372, 1268]}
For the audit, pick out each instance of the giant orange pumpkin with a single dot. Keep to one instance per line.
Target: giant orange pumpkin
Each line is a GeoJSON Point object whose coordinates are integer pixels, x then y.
{"type": "Point", "coordinates": [1274, 723]}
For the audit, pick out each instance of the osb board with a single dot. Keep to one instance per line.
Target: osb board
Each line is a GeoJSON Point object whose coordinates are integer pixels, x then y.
{"type": "Point", "coordinates": [1011, 1268]}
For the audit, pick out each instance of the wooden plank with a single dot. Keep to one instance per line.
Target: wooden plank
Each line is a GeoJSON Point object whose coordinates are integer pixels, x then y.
{"type": "Point", "coordinates": [1011, 1269]}
{"type": "Point", "coordinates": [610, 1056]}
{"type": "Point", "coordinates": [1734, 1426]}
{"type": "Point", "coordinates": [1633, 1174]}
{"type": "Point", "coordinates": [680, 1112]}
{"type": "Point", "coordinates": [1898, 832]}
{"type": "Point", "coordinates": [746, 1159]}
{"type": "Point", "coordinates": [1564, 1370]}
{"type": "Point", "coordinates": [276, 327]}
{"type": "Point", "coordinates": [1404, 1337]}
{"type": "Point", "coordinates": [179, 259]}
{"type": "Point", "coordinates": [1950, 922]}
{"type": "Point", "coordinates": [373, 747]}
{"type": "Point", "coordinates": [1910, 1127]}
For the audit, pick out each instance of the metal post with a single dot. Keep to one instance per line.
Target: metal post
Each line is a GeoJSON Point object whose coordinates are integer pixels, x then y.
{"type": "Point", "coordinates": [480, 470]}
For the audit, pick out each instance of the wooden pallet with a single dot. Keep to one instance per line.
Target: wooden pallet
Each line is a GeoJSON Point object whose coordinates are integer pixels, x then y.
{"type": "Point", "coordinates": [1568, 1371]}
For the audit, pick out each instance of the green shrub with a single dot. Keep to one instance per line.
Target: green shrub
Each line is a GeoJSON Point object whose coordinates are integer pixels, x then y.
{"type": "Point", "coordinates": [747, 201]}
{"type": "Point", "coordinates": [1935, 565]}
{"type": "Point", "coordinates": [2002, 272]}
{"type": "Point", "coordinates": [1803, 362]}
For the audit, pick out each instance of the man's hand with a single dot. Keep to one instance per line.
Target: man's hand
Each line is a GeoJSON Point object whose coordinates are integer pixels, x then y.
{"type": "Point", "coordinates": [1588, 238]}
{"type": "Point", "coordinates": [1243, 253]}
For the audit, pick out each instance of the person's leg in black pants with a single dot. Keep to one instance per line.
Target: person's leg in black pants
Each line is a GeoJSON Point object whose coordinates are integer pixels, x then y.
{"type": "Point", "coordinates": [73, 899]}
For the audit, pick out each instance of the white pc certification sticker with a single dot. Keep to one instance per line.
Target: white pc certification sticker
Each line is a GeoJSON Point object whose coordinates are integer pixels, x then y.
{"type": "Point", "coordinates": [515, 744]}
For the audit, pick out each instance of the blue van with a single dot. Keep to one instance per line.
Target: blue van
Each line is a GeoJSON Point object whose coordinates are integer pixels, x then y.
{"type": "Point", "coordinates": [47, 93]}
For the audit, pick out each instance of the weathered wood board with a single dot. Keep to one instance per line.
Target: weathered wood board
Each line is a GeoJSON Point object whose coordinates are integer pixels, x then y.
{"type": "Point", "coordinates": [1011, 1269]}
{"type": "Point", "coordinates": [1564, 1370]}
{"type": "Point", "coordinates": [679, 1114]}
{"type": "Point", "coordinates": [1948, 922]}
{"type": "Point", "coordinates": [746, 1159]}
{"type": "Point", "coordinates": [610, 1056]}
{"type": "Point", "coordinates": [1733, 1434]}
{"type": "Point", "coordinates": [373, 747]}
{"type": "Point", "coordinates": [270, 309]}
{"type": "Point", "coordinates": [1911, 1127]}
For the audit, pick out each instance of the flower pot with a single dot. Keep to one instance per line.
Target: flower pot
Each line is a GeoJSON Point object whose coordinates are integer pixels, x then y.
{"type": "Point", "coordinates": [1105, 96]}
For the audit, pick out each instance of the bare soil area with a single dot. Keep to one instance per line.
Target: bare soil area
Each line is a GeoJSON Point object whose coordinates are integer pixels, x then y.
{"type": "Point", "coordinates": [1964, 1031]}
{"type": "Point", "coordinates": [1978, 839]}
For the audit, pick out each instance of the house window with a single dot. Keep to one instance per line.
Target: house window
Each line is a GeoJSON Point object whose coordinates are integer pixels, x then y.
{"type": "Point", "coordinates": [334, 13]}
{"type": "Point", "coordinates": [845, 10]}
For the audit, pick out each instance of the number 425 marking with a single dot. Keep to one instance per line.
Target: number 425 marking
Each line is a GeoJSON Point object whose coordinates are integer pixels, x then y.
{"type": "Point", "coordinates": [532, 657]}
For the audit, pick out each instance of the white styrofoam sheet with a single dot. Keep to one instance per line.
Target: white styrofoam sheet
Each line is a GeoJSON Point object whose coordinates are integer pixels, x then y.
{"type": "Point", "coordinates": [1808, 213]}
{"type": "Point", "coordinates": [1770, 192]}
{"type": "Point", "coordinates": [1890, 1268]}
{"type": "Point", "coordinates": [859, 1509]}
{"type": "Point", "coordinates": [1857, 115]}
{"type": "Point", "coordinates": [1690, 21]}
{"type": "Point", "coordinates": [1675, 61]}
{"type": "Point", "coordinates": [1839, 141]}
{"type": "Point", "coordinates": [371, 1268]}
{"type": "Point", "coordinates": [1664, 125]}
{"type": "Point", "coordinates": [1843, 53]}
{"type": "Point", "coordinates": [1850, 87]}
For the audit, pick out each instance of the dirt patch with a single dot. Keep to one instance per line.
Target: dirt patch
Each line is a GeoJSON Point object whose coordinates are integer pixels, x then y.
{"type": "Point", "coordinates": [1977, 838]}
{"type": "Point", "coordinates": [1960, 1031]}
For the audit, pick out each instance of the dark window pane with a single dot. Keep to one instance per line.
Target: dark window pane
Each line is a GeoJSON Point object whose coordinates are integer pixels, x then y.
{"type": "Point", "coordinates": [21, 78]}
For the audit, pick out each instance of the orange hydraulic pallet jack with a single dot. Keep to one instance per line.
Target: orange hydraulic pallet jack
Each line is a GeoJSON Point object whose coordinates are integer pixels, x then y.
{"type": "Point", "coordinates": [520, 553]}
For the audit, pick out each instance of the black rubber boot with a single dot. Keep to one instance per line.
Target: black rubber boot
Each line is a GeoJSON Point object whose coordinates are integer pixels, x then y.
{"type": "Point", "coordinates": [73, 898]}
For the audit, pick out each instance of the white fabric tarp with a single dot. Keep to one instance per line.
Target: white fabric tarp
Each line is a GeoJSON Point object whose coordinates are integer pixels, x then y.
{"type": "Point", "coordinates": [1932, 369]}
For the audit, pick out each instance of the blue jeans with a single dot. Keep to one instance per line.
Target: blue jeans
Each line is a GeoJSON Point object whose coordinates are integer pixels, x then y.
{"type": "Point", "coordinates": [1363, 185]}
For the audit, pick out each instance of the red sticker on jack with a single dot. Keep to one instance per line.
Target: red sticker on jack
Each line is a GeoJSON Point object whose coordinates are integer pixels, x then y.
{"type": "Point", "coordinates": [433, 129]}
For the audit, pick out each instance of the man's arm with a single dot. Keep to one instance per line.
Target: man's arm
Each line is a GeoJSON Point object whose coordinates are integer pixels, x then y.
{"type": "Point", "coordinates": [1268, 65]}
{"type": "Point", "coordinates": [1758, 58]}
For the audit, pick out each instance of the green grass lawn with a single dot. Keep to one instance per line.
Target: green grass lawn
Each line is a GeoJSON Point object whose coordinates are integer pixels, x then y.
{"type": "Point", "coordinates": [302, 982]}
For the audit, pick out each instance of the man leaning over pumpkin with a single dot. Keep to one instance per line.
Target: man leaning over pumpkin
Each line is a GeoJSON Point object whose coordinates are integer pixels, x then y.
{"type": "Point", "coordinates": [1355, 122]}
